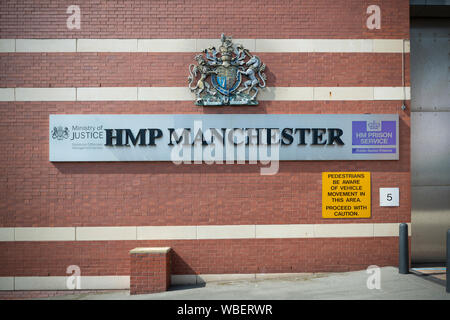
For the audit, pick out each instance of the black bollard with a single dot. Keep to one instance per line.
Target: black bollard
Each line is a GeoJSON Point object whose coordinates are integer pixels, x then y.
{"type": "Point", "coordinates": [403, 257]}
{"type": "Point", "coordinates": [448, 262]}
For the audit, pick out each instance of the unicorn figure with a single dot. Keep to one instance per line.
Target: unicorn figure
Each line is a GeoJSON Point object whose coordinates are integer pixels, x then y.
{"type": "Point", "coordinates": [255, 67]}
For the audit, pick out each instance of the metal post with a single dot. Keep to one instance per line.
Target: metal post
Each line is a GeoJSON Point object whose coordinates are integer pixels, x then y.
{"type": "Point", "coordinates": [448, 262]}
{"type": "Point", "coordinates": [403, 263]}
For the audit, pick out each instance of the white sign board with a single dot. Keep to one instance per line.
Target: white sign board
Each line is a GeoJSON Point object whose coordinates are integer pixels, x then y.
{"type": "Point", "coordinates": [150, 137]}
{"type": "Point", "coordinates": [389, 197]}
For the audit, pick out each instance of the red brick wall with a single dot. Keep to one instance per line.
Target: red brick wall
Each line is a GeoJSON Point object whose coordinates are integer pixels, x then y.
{"type": "Point", "coordinates": [203, 19]}
{"type": "Point", "coordinates": [37, 193]}
{"type": "Point", "coordinates": [202, 256]}
{"type": "Point", "coordinates": [170, 70]}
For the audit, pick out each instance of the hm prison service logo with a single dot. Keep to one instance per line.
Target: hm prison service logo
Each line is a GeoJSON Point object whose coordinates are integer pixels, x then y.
{"type": "Point", "coordinates": [230, 75]}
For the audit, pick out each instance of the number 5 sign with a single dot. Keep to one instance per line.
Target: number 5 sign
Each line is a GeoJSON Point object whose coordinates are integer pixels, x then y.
{"type": "Point", "coordinates": [389, 197]}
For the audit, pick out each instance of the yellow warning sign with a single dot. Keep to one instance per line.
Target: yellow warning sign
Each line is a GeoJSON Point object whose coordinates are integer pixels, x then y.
{"type": "Point", "coordinates": [345, 194]}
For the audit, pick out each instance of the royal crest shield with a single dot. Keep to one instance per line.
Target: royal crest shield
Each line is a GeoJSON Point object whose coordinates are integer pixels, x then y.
{"type": "Point", "coordinates": [220, 74]}
{"type": "Point", "coordinates": [60, 133]}
{"type": "Point", "coordinates": [227, 80]}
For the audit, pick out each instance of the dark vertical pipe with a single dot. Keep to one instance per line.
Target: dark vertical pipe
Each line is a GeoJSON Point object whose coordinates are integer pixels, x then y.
{"type": "Point", "coordinates": [448, 262]}
{"type": "Point", "coordinates": [403, 258]}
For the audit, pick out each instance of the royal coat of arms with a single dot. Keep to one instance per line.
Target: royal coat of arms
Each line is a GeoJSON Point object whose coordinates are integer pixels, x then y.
{"type": "Point", "coordinates": [60, 133]}
{"type": "Point", "coordinates": [229, 76]}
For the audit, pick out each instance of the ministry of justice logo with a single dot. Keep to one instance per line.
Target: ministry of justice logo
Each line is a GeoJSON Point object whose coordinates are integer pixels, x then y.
{"type": "Point", "coordinates": [221, 75]}
{"type": "Point", "coordinates": [60, 133]}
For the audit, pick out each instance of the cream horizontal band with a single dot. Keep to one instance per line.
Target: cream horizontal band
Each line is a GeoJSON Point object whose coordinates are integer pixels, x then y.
{"type": "Point", "coordinates": [265, 231]}
{"type": "Point", "coordinates": [44, 234]}
{"type": "Point", "coordinates": [60, 283]}
{"type": "Point", "coordinates": [196, 45]}
{"type": "Point", "coordinates": [184, 94]}
{"type": "Point", "coordinates": [123, 282]}
{"type": "Point", "coordinates": [189, 279]}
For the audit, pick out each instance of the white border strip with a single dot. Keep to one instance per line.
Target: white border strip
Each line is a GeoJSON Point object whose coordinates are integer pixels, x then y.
{"type": "Point", "coordinates": [184, 94]}
{"type": "Point", "coordinates": [60, 283]}
{"type": "Point", "coordinates": [123, 282]}
{"type": "Point", "coordinates": [105, 233]}
{"type": "Point", "coordinates": [45, 94]}
{"type": "Point", "coordinates": [7, 234]}
{"type": "Point", "coordinates": [44, 234]}
{"type": "Point", "coordinates": [107, 94]}
{"type": "Point", "coordinates": [211, 232]}
{"type": "Point", "coordinates": [186, 279]}
{"type": "Point", "coordinates": [6, 283]}
{"type": "Point", "coordinates": [166, 233]}
{"type": "Point", "coordinates": [45, 45]}
{"type": "Point", "coordinates": [196, 45]}
{"type": "Point", "coordinates": [7, 94]}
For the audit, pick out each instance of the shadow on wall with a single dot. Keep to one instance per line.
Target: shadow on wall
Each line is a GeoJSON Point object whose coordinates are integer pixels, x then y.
{"type": "Point", "coordinates": [179, 265]}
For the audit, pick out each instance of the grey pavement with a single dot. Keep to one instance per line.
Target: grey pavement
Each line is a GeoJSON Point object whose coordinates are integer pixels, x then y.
{"type": "Point", "coordinates": [341, 286]}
